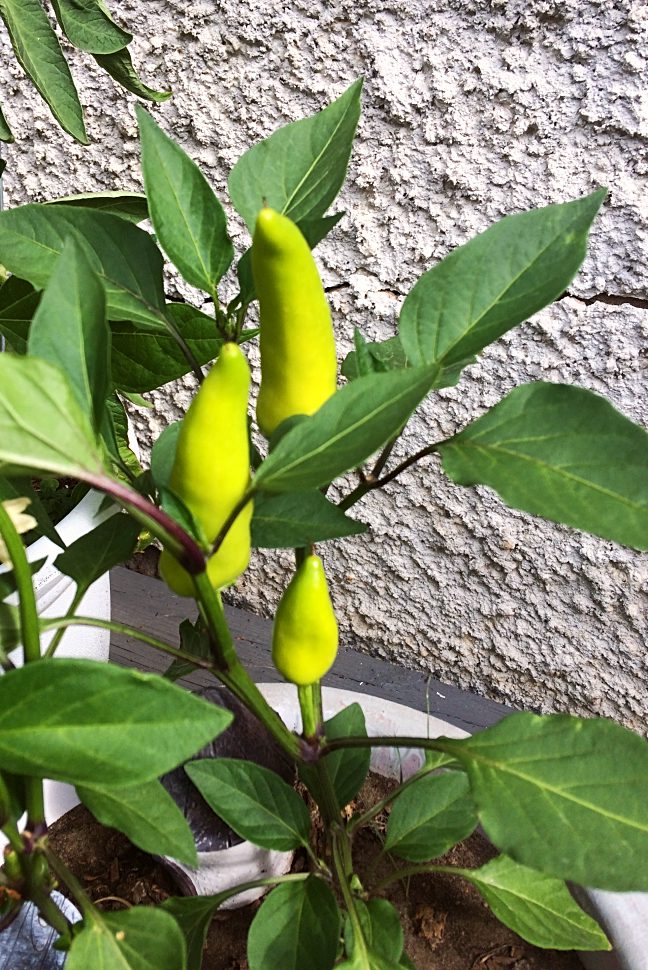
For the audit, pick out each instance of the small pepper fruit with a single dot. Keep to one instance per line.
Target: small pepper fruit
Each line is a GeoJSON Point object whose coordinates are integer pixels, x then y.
{"type": "Point", "coordinates": [305, 632]}
{"type": "Point", "coordinates": [211, 470]}
{"type": "Point", "coordinates": [298, 359]}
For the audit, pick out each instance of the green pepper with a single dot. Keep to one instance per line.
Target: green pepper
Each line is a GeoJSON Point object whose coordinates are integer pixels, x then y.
{"type": "Point", "coordinates": [211, 470]}
{"type": "Point", "coordinates": [305, 633]}
{"type": "Point", "coordinates": [298, 360]}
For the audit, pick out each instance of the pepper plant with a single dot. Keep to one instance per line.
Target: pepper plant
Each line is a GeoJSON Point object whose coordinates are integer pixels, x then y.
{"type": "Point", "coordinates": [84, 313]}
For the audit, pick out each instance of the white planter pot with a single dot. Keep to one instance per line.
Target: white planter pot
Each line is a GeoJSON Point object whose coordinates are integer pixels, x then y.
{"type": "Point", "coordinates": [54, 594]}
{"type": "Point", "coordinates": [624, 916]}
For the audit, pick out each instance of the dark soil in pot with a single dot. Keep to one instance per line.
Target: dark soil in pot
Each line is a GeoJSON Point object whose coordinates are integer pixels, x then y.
{"type": "Point", "coordinates": [447, 926]}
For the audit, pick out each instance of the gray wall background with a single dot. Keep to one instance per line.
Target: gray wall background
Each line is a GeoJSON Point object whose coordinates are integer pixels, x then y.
{"type": "Point", "coordinates": [472, 109]}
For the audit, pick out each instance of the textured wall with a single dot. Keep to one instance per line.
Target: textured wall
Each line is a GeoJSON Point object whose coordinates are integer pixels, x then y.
{"type": "Point", "coordinates": [472, 109]}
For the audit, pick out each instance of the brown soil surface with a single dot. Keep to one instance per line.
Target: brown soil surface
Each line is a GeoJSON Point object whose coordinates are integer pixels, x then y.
{"type": "Point", "coordinates": [447, 926]}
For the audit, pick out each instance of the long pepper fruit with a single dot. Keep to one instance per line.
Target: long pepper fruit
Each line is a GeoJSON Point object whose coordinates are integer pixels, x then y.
{"type": "Point", "coordinates": [211, 471]}
{"type": "Point", "coordinates": [298, 360]}
{"type": "Point", "coordinates": [305, 633]}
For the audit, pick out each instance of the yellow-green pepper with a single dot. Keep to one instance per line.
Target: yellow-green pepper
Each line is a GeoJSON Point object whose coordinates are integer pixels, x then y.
{"type": "Point", "coordinates": [211, 470]}
{"type": "Point", "coordinates": [305, 633]}
{"type": "Point", "coordinates": [298, 360]}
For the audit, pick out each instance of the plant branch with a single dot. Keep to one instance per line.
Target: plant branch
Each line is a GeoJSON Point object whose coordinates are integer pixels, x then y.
{"type": "Point", "coordinates": [62, 622]}
{"type": "Point", "coordinates": [372, 482]}
{"type": "Point", "coordinates": [30, 638]}
{"type": "Point", "coordinates": [179, 543]}
{"type": "Point", "coordinates": [407, 871]}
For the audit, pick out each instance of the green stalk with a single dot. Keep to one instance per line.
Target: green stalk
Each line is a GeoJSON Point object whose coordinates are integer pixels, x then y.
{"type": "Point", "coordinates": [229, 669]}
{"type": "Point", "coordinates": [30, 638]}
{"type": "Point", "coordinates": [307, 707]}
{"type": "Point", "coordinates": [340, 864]}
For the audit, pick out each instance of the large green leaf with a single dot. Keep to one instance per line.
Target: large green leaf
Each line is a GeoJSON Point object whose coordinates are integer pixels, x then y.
{"type": "Point", "coordinates": [143, 360]}
{"type": "Point", "coordinates": [129, 205]}
{"type": "Point", "coordinates": [495, 281]}
{"type": "Point", "coordinates": [42, 428]}
{"type": "Point", "coordinates": [561, 452]}
{"type": "Point", "coordinates": [89, 26]}
{"type": "Point", "coordinates": [347, 429]}
{"type": "Point", "coordinates": [297, 927]}
{"type": "Point", "coordinates": [39, 53]}
{"type": "Point", "coordinates": [564, 795]}
{"type": "Point", "coordinates": [97, 724]}
{"type": "Point", "coordinates": [299, 519]}
{"type": "Point", "coordinates": [125, 257]}
{"type": "Point", "coordinates": [163, 454]}
{"type": "Point", "coordinates": [300, 168]}
{"type": "Point", "coordinates": [346, 768]}
{"type": "Point", "coordinates": [147, 815]}
{"type": "Point", "coordinates": [141, 938]}
{"type": "Point", "coordinates": [93, 554]}
{"type": "Point", "coordinates": [120, 67]}
{"type": "Point", "coordinates": [254, 801]}
{"type": "Point", "coordinates": [537, 907]}
{"type": "Point", "coordinates": [18, 302]}
{"type": "Point", "coordinates": [187, 217]}
{"type": "Point", "coordinates": [430, 816]}
{"type": "Point", "coordinates": [70, 331]}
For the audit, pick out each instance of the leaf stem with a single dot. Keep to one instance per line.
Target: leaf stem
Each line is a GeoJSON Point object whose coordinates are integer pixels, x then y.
{"type": "Point", "coordinates": [230, 520]}
{"type": "Point", "coordinates": [407, 871]}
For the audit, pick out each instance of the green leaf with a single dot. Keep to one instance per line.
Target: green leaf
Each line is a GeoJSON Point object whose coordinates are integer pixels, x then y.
{"type": "Point", "coordinates": [299, 519]}
{"type": "Point", "coordinates": [120, 67]}
{"type": "Point", "coordinates": [495, 281]}
{"type": "Point", "coordinates": [41, 426]}
{"type": "Point", "coordinates": [115, 432]}
{"type": "Point", "coordinates": [381, 928]}
{"type": "Point", "coordinates": [561, 452]}
{"type": "Point", "coordinates": [296, 927]}
{"type": "Point", "coordinates": [18, 303]}
{"type": "Point", "coordinates": [254, 801]}
{"type": "Point", "coordinates": [93, 554]}
{"type": "Point", "coordinates": [9, 629]}
{"type": "Point", "coordinates": [348, 767]}
{"type": "Point", "coordinates": [378, 356]}
{"type": "Point", "coordinates": [143, 360]}
{"type": "Point", "coordinates": [430, 816]}
{"type": "Point", "coordinates": [124, 257]}
{"type": "Point", "coordinates": [564, 795]}
{"type": "Point", "coordinates": [194, 639]}
{"type": "Point", "coordinates": [140, 938]}
{"type": "Point", "coordinates": [40, 56]}
{"type": "Point", "coordinates": [88, 25]}
{"type": "Point", "coordinates": [300, 168]}
{"type": "Point", "coordinates": [131, 206]}
{"type": "Point", "coordinates": [76, 720]}
{"type": "Point", "coordinates": [193, 915]}
{"type": "Point", "coordinates": [69, 329]}
{"type": "Point", "coordinates": [147, 815]}
{"type": "Point", "coordinates": [187, 217]}
{"type": "Point", "coordinates": [538, 908]}
{"type": "Point", "coordinates": [347, 429]}
{"type": "Point", "coordinates": [6, 133]}
{"type": "Point", "coordinates": [163, 454]}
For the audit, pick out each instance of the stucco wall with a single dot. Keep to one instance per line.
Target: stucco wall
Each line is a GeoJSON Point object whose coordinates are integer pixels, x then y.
{"type": "Point", "coordinates": [472, 109]}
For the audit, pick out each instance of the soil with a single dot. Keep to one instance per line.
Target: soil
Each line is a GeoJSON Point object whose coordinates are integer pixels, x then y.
{"type": "Point", "coordinates": [447, 925]}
